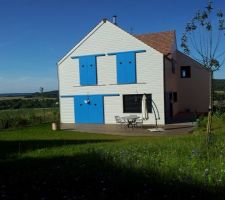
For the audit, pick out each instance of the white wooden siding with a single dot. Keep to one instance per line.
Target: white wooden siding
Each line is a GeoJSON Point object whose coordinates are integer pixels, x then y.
{"type": "Point", "coordinates": [67, 110]}
{"type": "Point", "coordinates": [113, 106]}
{"type": "Point", "coordinates": [107, 39]}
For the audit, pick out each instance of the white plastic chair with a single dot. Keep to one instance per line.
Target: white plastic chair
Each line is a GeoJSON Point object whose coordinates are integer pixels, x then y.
{"type": "Point", "coordinates": [120, 120]}
{"type": "Point", "coordinates": [139, 122]}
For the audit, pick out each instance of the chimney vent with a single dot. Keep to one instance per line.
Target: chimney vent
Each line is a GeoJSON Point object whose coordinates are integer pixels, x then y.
{"type": "Point", "coordinates": [114, 20]}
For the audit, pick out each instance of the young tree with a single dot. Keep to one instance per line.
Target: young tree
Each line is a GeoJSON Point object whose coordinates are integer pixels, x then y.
{"type": "Point", "coordinates": [203, 38]}
{"type": "Point", "coordinates": [42, 101]}
{"type": "Point", "coordinates": [41, 91]}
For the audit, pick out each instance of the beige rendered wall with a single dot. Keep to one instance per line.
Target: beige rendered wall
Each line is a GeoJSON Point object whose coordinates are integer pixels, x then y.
{"type": "Point", "coordinates": [171, 82]}
{"type": "Point", "coordinates": [193, 93]}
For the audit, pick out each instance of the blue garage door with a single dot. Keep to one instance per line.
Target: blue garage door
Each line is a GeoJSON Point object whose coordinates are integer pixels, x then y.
{"type": "Point", "coordinates": [89, 109]}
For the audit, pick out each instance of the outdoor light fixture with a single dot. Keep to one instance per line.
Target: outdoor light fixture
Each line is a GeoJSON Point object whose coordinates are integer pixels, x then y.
{"type": "Point", "coordinates": [87, 101]}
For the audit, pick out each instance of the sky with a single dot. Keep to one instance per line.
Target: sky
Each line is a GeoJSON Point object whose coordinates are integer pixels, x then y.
{"type": "Point", "coordinates": [35, 34]}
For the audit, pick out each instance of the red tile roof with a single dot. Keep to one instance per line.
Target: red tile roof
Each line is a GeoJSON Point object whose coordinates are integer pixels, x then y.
{"type": "Point", "coordinates": [163, 41]}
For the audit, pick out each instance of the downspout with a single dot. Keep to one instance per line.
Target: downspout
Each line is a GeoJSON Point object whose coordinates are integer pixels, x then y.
{"type": "Point", "coordinates": [164, 90]}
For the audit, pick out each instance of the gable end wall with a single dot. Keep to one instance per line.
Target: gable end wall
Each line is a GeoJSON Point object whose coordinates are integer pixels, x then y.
{"type": "Point", "coordinates": [107, 39]}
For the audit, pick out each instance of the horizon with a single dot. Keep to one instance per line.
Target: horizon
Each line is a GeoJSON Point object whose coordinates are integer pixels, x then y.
{"type": "Point", "coordinates": [56, 90]}
{"type": "Point", "coordinates": [36, 35]}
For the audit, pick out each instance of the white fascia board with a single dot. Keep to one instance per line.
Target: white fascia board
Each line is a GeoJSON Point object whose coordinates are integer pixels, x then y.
{"type": "Point", "coordinates": [81, 42]}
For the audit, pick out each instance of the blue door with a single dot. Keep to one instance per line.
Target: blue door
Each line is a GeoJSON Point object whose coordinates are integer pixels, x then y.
{"type": "Point", "coordinates": [89, 109]}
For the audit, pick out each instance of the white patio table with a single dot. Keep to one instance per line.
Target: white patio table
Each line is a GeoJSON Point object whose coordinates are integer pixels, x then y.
{"type": "Point", "coordinates": [131, 119]}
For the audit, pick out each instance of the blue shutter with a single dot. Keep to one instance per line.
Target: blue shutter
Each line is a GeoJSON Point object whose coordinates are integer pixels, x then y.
{"type": "Point", "coordinates": [92, 112]}
{"type": "Point", "coordinates": [126, 67]}
{"type": "Point", "coordinates": [83, 70]}
{"type": "Point", "coordinates": [88, 70]}
{"type": "Point", "coordinates": [81, 109]}
{"type": "Point", "coordinates": [96, 109]}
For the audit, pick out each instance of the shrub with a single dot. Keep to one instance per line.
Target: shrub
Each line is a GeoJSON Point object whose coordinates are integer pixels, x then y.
{"type": "Point", "coordinates": [27, 117]}
{"type": "Point", "coordinates": [202, 121]}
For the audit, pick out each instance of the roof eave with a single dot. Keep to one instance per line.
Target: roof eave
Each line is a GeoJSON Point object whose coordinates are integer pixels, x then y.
{"type": "Point", "coordinates": [82, 41]}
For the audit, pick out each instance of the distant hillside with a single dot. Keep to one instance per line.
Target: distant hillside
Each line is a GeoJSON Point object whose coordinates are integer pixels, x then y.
{"type": "Point", "coordinates": [49, 94]}
{"type": "Point", "coordinates": [219, 84]}
{"type": "Point", "coordinates": [14, 94]}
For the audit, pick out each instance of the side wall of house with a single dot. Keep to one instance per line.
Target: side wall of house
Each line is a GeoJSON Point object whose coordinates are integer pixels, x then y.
{"type": "Point", "coordinates": [171, 85]}
{"type": "Point", "coordinates": [106, 39]}
{"type": "Point", "coordinates": [193, 92]}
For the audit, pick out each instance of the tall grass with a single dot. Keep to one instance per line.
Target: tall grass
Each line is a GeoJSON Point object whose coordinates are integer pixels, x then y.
{"type": "Point", "coordinates": [27, 117]}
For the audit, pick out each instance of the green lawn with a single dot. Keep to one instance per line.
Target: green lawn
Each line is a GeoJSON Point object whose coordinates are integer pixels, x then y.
{"type": "Point", "coordinates": [37, 163]}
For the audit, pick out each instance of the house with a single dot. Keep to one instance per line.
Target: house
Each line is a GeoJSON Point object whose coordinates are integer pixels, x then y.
{"type": "Point", "coordinates": [108, 71]}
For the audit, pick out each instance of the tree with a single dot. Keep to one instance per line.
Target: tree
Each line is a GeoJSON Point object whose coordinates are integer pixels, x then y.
{"type": "Point", "coordinates": [203, 38]}
{"type": "Point", "coordinates": [41, 91]}
{"type": "Point", "coordinates": [42, 100]}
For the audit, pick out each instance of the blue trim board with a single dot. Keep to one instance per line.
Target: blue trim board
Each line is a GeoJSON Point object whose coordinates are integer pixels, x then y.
{"type": "Point", "coordinates": [105, 95]}
{"type": "Point", "coordinates": [75, 57]}
{"type": "Point", "coordinates": [137, 51]}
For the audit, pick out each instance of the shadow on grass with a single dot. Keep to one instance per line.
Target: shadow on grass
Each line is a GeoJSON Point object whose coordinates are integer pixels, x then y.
{"type": "Point", "coordinates": [10, 148]}
{"type": "Point", "coordinates": [90, 176]}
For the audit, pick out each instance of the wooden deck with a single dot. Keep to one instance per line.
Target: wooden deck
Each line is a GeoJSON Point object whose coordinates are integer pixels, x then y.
{"type": "Point", "coordinates": [171, 129]}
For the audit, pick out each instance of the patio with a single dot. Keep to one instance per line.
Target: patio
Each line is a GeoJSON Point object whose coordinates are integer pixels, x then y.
{"type": "Point", "coordinates": [170, 129]}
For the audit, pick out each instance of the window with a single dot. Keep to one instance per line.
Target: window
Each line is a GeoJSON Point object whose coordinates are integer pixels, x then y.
{"type": "Point", "coordinates": [174, 96]}
{"type": "Point", "coordinates": [132, 103]}
{"type": "Point", "coordinates": [185, 72]}
{"type": "Point", "coordinates": [170, 96]}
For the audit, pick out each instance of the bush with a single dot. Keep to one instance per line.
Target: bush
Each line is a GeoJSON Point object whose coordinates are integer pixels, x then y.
{"type": "Point", "coordinates": [202, 122]}
{"type": "Point", "coordinates": [27, 117]}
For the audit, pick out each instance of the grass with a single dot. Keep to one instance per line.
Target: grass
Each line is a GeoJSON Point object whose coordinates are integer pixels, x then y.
{"type": "Point", "coordinates": [37, 163]}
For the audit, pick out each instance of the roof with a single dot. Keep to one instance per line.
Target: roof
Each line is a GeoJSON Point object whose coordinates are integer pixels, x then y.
{"type": "Point", "coordinates": [162, 41]}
